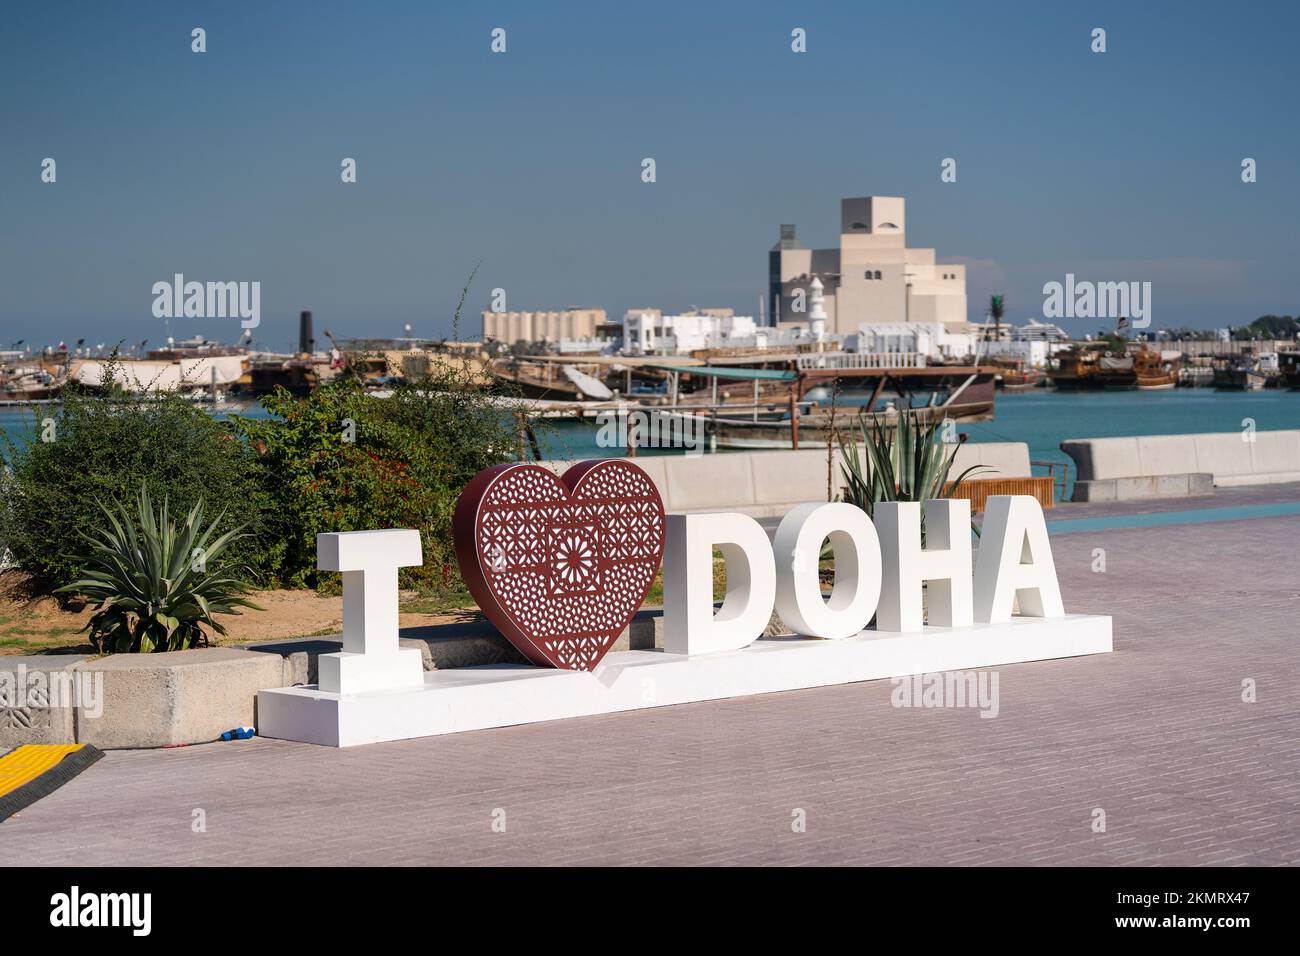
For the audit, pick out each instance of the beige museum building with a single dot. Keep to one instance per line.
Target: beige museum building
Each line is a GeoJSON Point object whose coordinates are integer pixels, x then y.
{"type": "Point", "coordinates": [872, 278]}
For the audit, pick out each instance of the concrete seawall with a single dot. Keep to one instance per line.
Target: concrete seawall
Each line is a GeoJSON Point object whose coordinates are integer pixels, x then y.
{"type": "Point", "coordinates": [766, 484]}
{"type": "Point", "coordinates": [1161, 466]}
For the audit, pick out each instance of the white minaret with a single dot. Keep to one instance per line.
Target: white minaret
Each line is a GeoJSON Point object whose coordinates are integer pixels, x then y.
{"type": "Point", "coordinates": [817, 313]}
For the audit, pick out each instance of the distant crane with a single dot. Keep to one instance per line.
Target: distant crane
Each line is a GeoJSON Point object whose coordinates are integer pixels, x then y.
{"type": "Point", "coordinates": [346, 364]}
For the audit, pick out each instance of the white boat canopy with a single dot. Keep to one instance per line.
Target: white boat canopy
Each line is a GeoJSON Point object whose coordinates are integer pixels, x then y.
{"type": "Point", "coordinates": [162, 375]}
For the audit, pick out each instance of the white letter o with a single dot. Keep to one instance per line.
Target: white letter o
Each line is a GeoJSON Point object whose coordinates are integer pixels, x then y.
{"type": "Point", "coordinates": [856, 592]}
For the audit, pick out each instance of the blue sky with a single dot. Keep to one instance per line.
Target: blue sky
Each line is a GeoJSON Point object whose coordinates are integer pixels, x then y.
{"type": "Point", "coordinates": [225, 165]}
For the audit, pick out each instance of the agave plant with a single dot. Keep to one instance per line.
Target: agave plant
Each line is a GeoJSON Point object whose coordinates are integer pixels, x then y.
{"type": "Point", "coordinates": [158, 586]}
{"type": "Point", "coordinates": [905, 463]}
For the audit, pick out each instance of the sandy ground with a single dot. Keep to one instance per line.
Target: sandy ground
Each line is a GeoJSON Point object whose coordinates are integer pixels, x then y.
{"type": "Point", "coordinates": [34, 626]}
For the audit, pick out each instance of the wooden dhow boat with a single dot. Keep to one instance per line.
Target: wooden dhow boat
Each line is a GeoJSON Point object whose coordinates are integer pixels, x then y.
{"type": "Point", "coordinates": [886, 383]}
{"type": "Point", "coordinates": [1157, 371]}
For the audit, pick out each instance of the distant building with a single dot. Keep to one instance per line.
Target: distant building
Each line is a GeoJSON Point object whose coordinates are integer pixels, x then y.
{"type": "Point", "coordinates": [872, 278]}
{"type": "Point", "coordinates": [1035, 331]}
{"type": "Point", "coordinates": [511, 327]}
{"type": "Point", "coordinates": [597, 346]}
{"type": "Point", "coordinates": [1034, 342]}
{"type": "Point", "coordinates": [934, 340]}
{"type": "Point", "coordinates": [652, 332]}
{"type": "Point", "coordinates": [714, 313]}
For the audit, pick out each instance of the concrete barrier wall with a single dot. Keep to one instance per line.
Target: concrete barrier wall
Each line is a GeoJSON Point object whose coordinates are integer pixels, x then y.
{"type": "Point", "coordinates": [769, 483]}
{"type": "Point", "coordinates": [1231, 458]}
{"type": "Point", "coordinates": [760, 484]}
{"type": "Point", "coordinates": [1005, 459]}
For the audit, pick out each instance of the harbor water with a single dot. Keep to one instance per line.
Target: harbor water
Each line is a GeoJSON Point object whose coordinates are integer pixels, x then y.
{"type": "Point", "coordinates": [1041, 418]}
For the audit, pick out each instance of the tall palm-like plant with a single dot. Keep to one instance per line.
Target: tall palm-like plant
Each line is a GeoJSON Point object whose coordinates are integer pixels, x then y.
{"type": "Point", "coordinates": [996, 311]}
{"type": "Point", "coordinates": [160, 585]}
{"type": "Point", "coordinates": [907, 462]}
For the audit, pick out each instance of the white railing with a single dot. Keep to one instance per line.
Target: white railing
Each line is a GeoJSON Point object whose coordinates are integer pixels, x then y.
{"type": "Point", "coordinates": [862, 360]}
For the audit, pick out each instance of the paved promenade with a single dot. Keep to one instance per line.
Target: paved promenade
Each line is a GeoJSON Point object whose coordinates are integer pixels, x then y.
{"type": "Point", "coordinates": [1155, 735]}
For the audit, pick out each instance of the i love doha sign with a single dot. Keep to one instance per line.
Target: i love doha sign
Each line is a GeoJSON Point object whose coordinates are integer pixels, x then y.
{"type": "Point", "coordinates": [560, 565]}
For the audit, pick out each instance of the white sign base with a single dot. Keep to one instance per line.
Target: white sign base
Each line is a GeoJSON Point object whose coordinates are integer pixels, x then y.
{"type": "Point", "coordinates": [476, 698]}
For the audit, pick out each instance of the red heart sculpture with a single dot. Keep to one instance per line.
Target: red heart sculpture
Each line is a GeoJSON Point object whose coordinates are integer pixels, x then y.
{"type": "Point", "coordinates": [560, 565]}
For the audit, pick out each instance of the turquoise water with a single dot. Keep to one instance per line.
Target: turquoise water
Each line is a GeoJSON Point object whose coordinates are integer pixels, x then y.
{"type": "Point", "coordinates": [1042, 419]}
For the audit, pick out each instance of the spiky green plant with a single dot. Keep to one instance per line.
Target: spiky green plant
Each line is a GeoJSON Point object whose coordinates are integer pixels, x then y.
{"type": "Point", "coordinates": [907, 462]}
{"type": "Point", "coordinates": [160, 585]}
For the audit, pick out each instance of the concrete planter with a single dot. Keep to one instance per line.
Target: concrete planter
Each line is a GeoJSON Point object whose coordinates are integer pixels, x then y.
{"type": "Point", "coordinates": [179, 697]}
{"type": "Point", "coordinates": [143, 700]}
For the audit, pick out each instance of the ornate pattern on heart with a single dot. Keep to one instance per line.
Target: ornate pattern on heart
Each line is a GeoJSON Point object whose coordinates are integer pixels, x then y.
{"type": "Point", "coordinates": [560, 565]}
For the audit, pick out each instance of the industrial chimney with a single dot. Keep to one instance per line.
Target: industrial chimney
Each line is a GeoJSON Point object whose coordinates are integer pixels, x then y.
{"type": "Point", "coordinates": [306, 344]}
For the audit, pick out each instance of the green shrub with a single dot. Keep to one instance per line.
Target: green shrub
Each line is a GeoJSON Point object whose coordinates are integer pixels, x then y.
{"type": "Point", "coordinates": [157, 588]}
{"type": "Point", "coordinates": [341, 460]}
{"type": "Point", "coordinates": [105, 447]}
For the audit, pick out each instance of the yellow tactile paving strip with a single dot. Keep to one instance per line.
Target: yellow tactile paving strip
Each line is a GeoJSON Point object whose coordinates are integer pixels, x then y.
{"type": "Point", "coordinates": [29, 761]}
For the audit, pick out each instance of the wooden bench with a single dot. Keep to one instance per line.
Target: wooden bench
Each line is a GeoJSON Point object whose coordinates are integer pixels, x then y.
{"type": "Point", "coordinates": [1006, 470]}
{"type": "Point", "coordinates": [977, 490]}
